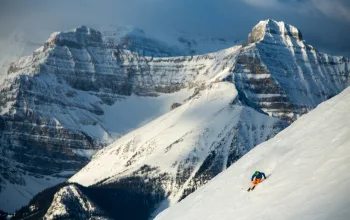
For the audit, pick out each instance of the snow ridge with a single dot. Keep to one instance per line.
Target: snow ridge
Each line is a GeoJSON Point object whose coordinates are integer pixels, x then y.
{"type": "Point", "coordinates": [69, 202]}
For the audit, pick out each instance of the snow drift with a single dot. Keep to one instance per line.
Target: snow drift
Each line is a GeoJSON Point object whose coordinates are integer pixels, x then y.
{"type": "Point", "coordinates": [308, 168]}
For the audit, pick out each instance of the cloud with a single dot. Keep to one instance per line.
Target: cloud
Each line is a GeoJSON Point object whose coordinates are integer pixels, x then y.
{"type": "Point", "coordinates": [332, 8]}
{"type": "Point", "coordinates": [264, 3]}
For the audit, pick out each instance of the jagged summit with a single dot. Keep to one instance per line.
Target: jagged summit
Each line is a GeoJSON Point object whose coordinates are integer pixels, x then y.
{"type": "Point", "coordinates": [76, 38]}
{"type": "Point", "coordinates": [271, 29]}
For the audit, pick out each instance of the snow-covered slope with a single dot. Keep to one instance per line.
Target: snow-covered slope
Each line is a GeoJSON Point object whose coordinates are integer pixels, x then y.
{"type": "Point", "coordinates": [308, 168]}
{"type": "Point", "coordinates": [184, 137]}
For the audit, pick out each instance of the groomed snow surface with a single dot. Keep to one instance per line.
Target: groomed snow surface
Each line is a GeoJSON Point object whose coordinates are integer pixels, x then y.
{"type": "Point", "coordinates": [308, 167]}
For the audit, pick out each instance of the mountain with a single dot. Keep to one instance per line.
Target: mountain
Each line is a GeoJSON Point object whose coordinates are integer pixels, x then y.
{"type": "Point", "coordinates": [70, 200]}
{"type": "Point", "coordinates": [80, 92]}
{"type": "Point", "coordinates": [77, 94]}
{"type": "Point", "coordinates": [296, 77]}
{"type": "Point", "coordinates": [307, 166]}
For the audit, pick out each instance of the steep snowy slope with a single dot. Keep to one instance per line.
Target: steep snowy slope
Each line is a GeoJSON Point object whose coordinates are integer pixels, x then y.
{"type": "Point", "coordinates": [307, 165]}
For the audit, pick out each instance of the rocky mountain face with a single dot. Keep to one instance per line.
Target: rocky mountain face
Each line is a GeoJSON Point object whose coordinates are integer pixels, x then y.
{"type": "Point", "coordinates": [295, 76]}
{"type": "Point", "coordinates": [80, 92]}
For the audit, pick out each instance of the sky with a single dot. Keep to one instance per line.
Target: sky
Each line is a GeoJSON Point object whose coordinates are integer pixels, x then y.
{"type": "Point", "coordinates": [24, 25]}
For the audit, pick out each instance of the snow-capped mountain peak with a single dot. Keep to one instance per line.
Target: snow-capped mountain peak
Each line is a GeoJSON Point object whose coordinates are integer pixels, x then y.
{"type": "Point", "coordinates": [270, 29]}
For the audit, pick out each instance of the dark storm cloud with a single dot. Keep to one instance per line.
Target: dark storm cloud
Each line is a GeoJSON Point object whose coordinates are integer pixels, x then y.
{"type": "Point", "coordinates": [325, 23]}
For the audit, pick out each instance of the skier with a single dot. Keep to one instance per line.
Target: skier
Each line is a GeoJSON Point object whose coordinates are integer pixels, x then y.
{"type": "Point", "coordinates": [256, 179]}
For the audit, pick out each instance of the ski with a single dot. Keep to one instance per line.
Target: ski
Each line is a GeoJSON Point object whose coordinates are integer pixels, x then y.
{"type": "Point", "coordinates": [251, 189]}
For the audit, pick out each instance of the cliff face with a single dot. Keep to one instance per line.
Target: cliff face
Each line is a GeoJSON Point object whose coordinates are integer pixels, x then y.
{"type": "Point", "coordinates": [80, 91]}
{"type": "Point", "coordinates": [284, 76]}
